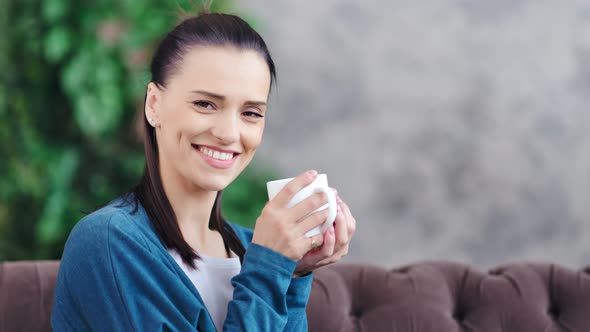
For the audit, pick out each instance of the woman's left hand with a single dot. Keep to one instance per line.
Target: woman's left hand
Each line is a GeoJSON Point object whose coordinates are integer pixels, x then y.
{"type": "Point", "coordinates": [336, 242]}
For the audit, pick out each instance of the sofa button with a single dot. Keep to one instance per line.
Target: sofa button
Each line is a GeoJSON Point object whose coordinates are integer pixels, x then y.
{"type": "Point", "coordinates": [553, 311]}
{"type": "Point", "coordinates": [458, 315]}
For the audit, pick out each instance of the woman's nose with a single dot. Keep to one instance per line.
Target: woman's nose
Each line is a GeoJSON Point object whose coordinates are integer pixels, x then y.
{"type": "Point", "coordinates": [226, 128]}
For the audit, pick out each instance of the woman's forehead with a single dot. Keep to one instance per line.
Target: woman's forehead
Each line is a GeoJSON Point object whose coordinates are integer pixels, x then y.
{"type": "Point", "coordinates": [224, 70]}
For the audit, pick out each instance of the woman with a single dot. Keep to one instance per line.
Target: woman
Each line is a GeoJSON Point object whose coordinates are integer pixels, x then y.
{"type": "Point", "coordinates": [162, 257]}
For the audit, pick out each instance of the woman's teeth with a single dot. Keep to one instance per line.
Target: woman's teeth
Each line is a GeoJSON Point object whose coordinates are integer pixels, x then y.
{"type": "Point", "coordinates": [216, 154]}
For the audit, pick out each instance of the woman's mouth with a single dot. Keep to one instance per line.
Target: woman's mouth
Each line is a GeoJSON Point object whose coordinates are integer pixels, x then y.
{"type": "Point", "coordinates": [215, 154]}
{"type": "Point", "coordinates": [216, 158]}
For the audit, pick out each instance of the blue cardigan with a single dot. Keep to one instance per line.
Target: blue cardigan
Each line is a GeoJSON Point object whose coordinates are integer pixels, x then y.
{"type": "Point", "coordinates": [116, 275]}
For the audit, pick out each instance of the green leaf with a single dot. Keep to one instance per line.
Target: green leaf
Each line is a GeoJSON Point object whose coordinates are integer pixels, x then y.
{"type": "Point", "coordinates": [54, 10]}
{"type": "Point", "coordinates": [57, 43]}
{"type": "Point", "coordinates": [75, 74]}
{"type": "Point", "coordinates": [99, 114]}
{"type": "Point", "coordinates": [87, 113]}
{"type": "Point", "coordinates": [106, 71]}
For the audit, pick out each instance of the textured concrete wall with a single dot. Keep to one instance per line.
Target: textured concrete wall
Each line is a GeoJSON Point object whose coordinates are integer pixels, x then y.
{"type": "Point", "coordinates": [455, 129]}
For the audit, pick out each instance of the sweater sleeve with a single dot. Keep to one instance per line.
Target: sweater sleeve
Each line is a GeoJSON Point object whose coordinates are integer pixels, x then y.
{"type": "Point", "coordinates": [110, 281]}
{"type": "Point", "coordinates": [297, 297]}
{"type": "Point", "coordinates": [274, 271]}
{"type": "Point", "coordinates": [265, 297]}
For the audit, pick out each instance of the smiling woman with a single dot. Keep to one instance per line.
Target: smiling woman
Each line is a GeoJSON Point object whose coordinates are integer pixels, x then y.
{"type": "Point", "coordinates": [162, 257]}
{"type": "Point", "coordinates": [215, 102]}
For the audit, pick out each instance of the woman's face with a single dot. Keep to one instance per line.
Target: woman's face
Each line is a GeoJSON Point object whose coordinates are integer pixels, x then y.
{"type": "Point", "coordinates": [210, 117]}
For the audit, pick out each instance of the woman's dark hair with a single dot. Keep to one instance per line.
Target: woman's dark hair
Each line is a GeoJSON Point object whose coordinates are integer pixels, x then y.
{"type": "Point", "coordinates": [206, 29]}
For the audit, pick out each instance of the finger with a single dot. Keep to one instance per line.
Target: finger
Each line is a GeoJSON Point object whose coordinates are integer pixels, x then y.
{"type": "Point", "coordinates": [327, 249]}
{"type": "Point", "coordinates": [313, 257]}
{"type": "Point", "coordinates": [351, 221]}
{"type": "Point", "coordinates": [323, 256]}
{"type": "Point", "coordinates": [309, 205]}
{"type": "Point", "coordinates": [309, 245]}
{"type": "Point", "coordinates": [340, 230]}
{"type": "Point", "coordinates": [314, 242]}
{"type": "Point", "coordinates": [312, 221]}
{"type": "Point", "coordinates": [294, 186]}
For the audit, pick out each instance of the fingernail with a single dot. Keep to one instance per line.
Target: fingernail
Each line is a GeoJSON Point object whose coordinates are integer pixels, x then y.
{"type": "Point", "coordinates": [338, 199]}
{"type": "Point", "coordinates": [331, 230]}
{"type": "Point", "coordinates": [312, 172]}
{"type": "Point", "coordinates": [339, 209]}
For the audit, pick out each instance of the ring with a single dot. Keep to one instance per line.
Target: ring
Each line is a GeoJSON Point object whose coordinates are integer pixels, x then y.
{"type": "Point", "coordinates": [314, 244]}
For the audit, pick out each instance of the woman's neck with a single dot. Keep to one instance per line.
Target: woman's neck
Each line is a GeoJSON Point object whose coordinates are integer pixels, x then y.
{"type": "Point", "coordinates": [192, 206]}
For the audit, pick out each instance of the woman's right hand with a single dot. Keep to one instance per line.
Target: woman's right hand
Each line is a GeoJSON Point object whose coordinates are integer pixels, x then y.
{"type": "Point", "coordinates": [283, 229]}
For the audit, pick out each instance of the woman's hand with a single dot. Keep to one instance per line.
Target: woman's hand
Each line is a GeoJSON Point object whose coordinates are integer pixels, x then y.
{"type": "Point", "coordinates": [335, 243]}
{"type": "Point", "coordinates": [283, 229]}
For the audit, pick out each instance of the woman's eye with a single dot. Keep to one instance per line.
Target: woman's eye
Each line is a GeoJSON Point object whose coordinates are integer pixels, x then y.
{"type": "Point", "coordinates": [251, 114]}
{"type": "Point", "coordinates": [204, 104]}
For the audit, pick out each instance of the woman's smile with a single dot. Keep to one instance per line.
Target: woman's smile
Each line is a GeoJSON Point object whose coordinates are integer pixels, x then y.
{"type": "Point", "coordinates": [215, 157]}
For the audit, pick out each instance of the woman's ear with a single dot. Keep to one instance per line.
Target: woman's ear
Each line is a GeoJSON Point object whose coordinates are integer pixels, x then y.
{"type": "Point", "coordinates": [152, 104]}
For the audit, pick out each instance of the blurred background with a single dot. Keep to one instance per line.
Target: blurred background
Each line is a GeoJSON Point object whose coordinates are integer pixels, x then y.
{"type": "Point", "coordinates": [455, 130]}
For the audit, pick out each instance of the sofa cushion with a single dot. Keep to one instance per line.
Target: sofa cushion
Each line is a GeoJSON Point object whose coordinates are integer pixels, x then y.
{"type": "Point", "coordinates": [449, 297]}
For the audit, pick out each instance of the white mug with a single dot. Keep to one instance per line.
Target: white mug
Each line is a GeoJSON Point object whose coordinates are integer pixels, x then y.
{"type": "Point", "coordinates": [320, 184]}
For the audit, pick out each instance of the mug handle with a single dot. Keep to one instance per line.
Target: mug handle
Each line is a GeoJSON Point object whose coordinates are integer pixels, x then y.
{"type": "Point", "coordinates": [332, 210]}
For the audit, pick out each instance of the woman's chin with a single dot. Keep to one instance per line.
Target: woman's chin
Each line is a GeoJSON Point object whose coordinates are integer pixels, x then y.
{"type": "Point", "coordinates": [213, 183]}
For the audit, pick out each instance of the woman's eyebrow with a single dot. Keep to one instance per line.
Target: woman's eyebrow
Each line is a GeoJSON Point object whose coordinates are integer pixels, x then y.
{"type": "Point", "coordinates": [255, 103]}
{"type": "Point", "coordinates": [222, 97]}
{"type": "Point", "coordinates": [209, 94]}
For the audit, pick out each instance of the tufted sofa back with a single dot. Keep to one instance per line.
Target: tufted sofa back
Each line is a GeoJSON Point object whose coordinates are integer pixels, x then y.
{"type": "Point", "coordinates": [447, 297]}
{"type": "Point", "coordinates": [426, 297]}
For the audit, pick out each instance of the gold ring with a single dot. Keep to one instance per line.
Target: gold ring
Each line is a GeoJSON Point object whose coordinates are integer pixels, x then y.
{"type": "Point", "coordinates": [314, 244]}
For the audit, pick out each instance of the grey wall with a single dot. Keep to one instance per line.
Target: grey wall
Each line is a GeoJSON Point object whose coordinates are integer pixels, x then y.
{"type": "Point", "coordinates": [455, 130]}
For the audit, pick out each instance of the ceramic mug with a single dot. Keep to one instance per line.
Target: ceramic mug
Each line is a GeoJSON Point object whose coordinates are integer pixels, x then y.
{"type": "Point", "coordinates": [320, 184]}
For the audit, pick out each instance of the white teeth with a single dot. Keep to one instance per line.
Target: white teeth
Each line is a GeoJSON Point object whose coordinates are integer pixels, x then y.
{"type": "Point", "coordinates": [216, 154]}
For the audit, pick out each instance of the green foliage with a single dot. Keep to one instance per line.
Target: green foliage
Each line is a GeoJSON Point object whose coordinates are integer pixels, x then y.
{"type": "Point", "coordinates": [246, 196]}
{"type": "Point", "coordinates": [73, 76]}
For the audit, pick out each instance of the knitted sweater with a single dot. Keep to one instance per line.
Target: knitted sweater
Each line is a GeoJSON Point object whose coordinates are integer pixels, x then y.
{"type": "Point", "coordinates": [116, 275]}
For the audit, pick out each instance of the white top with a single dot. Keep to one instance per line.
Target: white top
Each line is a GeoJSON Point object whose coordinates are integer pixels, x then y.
{"type": "Point", "coordinates": [213, 281]}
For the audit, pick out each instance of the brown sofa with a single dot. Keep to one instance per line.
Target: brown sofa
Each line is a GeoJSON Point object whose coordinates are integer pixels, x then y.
{"type": "Point", "coordinates": [436, 296]}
